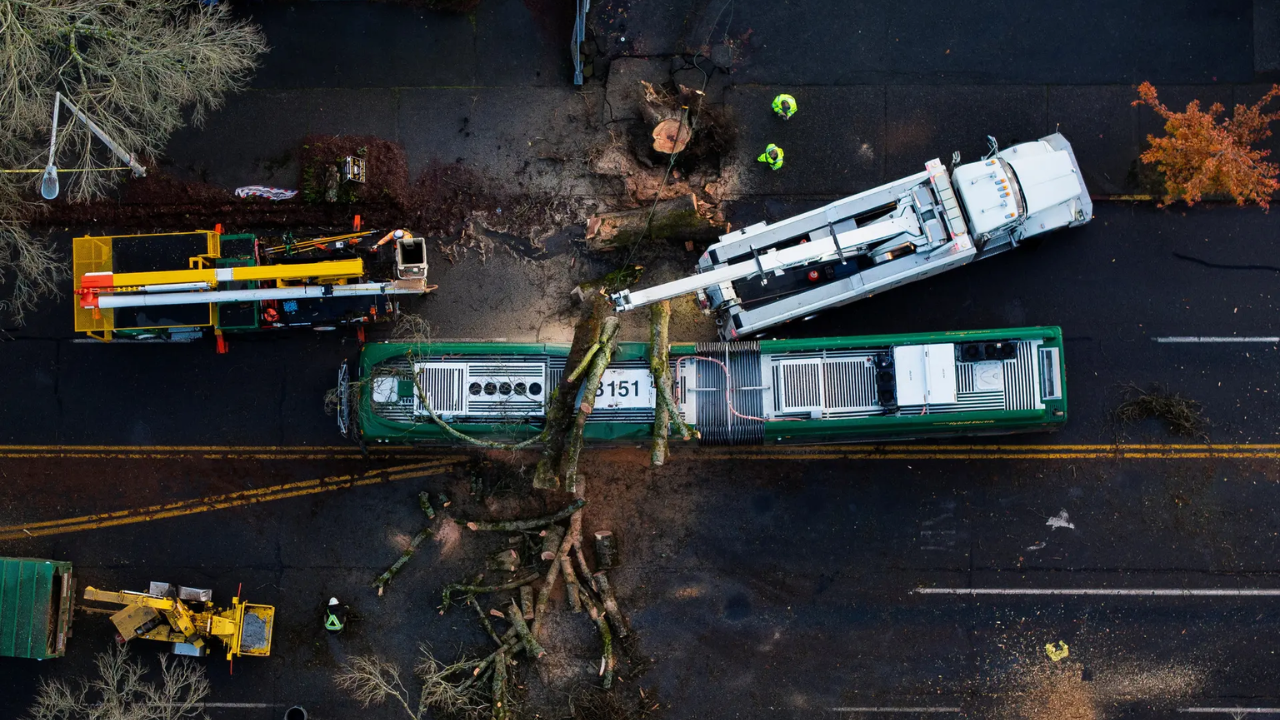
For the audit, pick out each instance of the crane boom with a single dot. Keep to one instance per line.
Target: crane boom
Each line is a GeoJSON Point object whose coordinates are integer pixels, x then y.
{"type": "Point", "coordinates": [909, 229]}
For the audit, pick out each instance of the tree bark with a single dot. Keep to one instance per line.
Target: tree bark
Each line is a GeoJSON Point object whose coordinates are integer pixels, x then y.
{"type": "Point", "coordinates": [500, 709]}
{"type": "Point", "coordinates": [551, 538]}
{"type": "Point", "coordinates": [606, 550]}
{"type": "Point", "coordinates": [659, 367]}
{"type": "Point", "coordinates": [506, 560]}
{"type": "Point", "coordinates": [481, 589]}
{"type": "Point", "coordinates": [531, 523]}
{"type": "Point", "coordinates": [606, 639]}
{"type": "Point", "coordinates": [560, 412]}
{"type": "Point", "coordinates": [674, 219]}
{"type": "Point", "coordinates": [526, 602]}
{"type": "Point", "coordinates": [571, 583]}
{"type": "Point", "coordinates": [531, 646]}
{"type": "Point", "coordinates": [381, 582]}
{"type": "Point", "coordinates": [610, 602]}
{"type": "Point", "coordinates": [574, 443]}
{"type": "Point", "coordinates": [484, 619]}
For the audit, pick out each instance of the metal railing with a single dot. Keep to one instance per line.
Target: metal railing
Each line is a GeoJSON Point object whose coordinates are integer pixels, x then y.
{"type": "Point", "coordinates": [579, 36]}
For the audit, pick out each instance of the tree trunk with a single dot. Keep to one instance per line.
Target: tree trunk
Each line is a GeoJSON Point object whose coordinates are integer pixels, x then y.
{"type": "Point", "coordinates": [659, 367]}
{"type": "Point", "coordinates": [574, 443]}
{"type": "Point", "coordinates": [675, 219]}
{"type": "Point", "coordinates": [606, 550]}
{"type": "Point", "coordinates": [560, 411]}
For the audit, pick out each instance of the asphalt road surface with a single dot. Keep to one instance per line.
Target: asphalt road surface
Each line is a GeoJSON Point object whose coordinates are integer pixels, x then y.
{"type": "Point", "coordinates": [763, 584]}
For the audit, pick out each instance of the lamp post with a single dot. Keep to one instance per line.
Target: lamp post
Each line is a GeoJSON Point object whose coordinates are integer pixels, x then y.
{"type": "Point", "coordinates": [49, 183]}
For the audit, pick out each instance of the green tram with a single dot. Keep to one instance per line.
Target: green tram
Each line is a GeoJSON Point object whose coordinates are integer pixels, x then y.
{"type": "Point", "coordinates": [771, 392]}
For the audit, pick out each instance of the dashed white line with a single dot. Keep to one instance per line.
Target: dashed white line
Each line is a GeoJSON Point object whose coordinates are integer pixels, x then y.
{"type": "Point", "coordinates": [1234, 711]}
{"type": "Point", "coordinates": [1140, 592]}
{"type": "Point", "coordinates": [897, 709]}
{"type": "Point", "coordinates": [1227, 339]}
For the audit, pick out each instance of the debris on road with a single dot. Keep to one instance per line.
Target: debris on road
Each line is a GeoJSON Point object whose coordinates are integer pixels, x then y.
{"type": "Point", "coordinates": [424, 501]}
{"type": "Point", "coordinates": [1181, 416]}
{"type": "Point", "coordinates": [1061, 520]}
{"type": "Point", "coordinates": [1057, 651]}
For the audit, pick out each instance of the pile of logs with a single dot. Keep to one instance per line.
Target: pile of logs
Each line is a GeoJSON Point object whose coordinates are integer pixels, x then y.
{"type": "Point", "coordinates": [515, 601]}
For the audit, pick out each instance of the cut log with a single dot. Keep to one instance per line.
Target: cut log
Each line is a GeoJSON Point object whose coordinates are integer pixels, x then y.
{"type": "Point", "coordinates": [679, 219]}
{"type": "Point", "coordinates": [452, 588]}
{"type": "Point", "coordinates": [506, 560]}
{"type": "Point", "coordinates": [424, 502]}
{"type": "Point", "coordinates": [381, 581]}
{"type": "Point", "coordinates": [659, 367]}
{"type": "Point", "coordinates": [526, 602]}
{"type": "Point", "coordinates": [610, 602]}
{"type": "Point", "coordinates": [501, 710]}
{"type": "Point", "coordinates": [606, 550]}
{"type": "Point", "coordinates": [671, 136]}
{"type": "Point", "coordinates": [551, 538]}
{"type": "Point", "coordinates": [571, 583]}
{"type": "Point", "coordinates": [584, 572]}
{"type": "Point", "coordinates": [516, 618]}
{"type": "Point", "coordinates": [606, 640]}
{"type": "Point", "coordinates": [531, 523]}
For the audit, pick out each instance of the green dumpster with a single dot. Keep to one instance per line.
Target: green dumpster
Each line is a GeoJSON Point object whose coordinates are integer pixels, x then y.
{"type": "Point", "coordinates": [36, 599]}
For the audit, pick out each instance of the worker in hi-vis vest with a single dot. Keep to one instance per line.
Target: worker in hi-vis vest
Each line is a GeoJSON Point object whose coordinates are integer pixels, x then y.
{"type": "Point", "coordinates": [773, 156]}
{"type": "Point", "coordinates": [784, 105]}
{"type": "Point", "coordinates": [335, 616]}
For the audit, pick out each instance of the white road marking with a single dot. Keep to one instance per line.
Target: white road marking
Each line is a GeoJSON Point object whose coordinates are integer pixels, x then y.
{"type": "Point", "coordinates": [1229, 339]}
{"type": "Point", "coordinates": [227, 705]}
{"type": "Point", "coordinates": [1235, 711]}
{"type": "Point", "coordinates": [897, 709]}
{"type": "Point", "coordinates": [1061, 520]}
{"type": "Point", "coordinates": [1141, 592]}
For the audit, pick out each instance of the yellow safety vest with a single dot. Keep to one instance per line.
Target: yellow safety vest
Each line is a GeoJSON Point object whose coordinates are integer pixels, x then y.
{"type": "Point", "coordinates": [777, 105]}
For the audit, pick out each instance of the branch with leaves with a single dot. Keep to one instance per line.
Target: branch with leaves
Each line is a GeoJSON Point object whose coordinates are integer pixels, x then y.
{"type": "Point", "coordinates": [1204, 154]}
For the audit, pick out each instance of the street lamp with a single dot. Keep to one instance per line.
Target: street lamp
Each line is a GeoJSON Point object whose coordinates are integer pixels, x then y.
{"type": "Point", "coordinates": [49, 183]}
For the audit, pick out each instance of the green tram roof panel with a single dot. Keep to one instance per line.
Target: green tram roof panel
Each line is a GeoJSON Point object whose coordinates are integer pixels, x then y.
{"type": "Point", "coordinates": [1030, 397]}
{"type": "Point", "coordinates": [34, 607]}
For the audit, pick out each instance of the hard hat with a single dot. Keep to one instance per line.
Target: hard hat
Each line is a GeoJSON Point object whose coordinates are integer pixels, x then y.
{"type": "Point", "coordinates": [398, 234]}
{"type": "Point", "coordinates": [333, 601]}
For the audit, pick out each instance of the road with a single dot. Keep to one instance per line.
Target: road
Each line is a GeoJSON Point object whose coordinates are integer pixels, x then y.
{"type": "Point", "coordinates": [761, 583]}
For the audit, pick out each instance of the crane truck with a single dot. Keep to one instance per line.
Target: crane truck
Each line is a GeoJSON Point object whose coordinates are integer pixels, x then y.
{"type": "Point", "coordinates": [172, 286]}
{"type": "Point", "coordinates": [766, 274]}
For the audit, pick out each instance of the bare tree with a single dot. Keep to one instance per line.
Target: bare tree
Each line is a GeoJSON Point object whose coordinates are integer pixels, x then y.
{"type": "Point", "coordinates": [137, 68]}
{"type": "Point", "coordinates": [450, 690]}
{"type": "Point", "coordinates": [121, 691]}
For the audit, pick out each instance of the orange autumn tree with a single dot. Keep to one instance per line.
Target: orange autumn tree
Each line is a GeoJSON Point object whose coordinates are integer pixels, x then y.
{"type": "Point", "coordinates": [1204, 155]}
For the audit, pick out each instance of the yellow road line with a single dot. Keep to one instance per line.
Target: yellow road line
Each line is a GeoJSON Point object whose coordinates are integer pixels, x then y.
{"type": "Point", "coordinates": [227, 500]}
{"type": "Point", "coordinates": [871, 455]}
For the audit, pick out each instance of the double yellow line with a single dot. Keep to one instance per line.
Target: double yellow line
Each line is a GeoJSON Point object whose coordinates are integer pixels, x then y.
{"type": "Point", "coordinates": [1120, 451]}
{"type": "Point", "coordinates": [215, 452]}
{"type": "Point", "coordinates": [228, 500]}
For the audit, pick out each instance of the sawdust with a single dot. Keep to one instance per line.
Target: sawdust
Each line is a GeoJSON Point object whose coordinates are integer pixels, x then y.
{"type": "Point", "coordinates": [1059, 691]}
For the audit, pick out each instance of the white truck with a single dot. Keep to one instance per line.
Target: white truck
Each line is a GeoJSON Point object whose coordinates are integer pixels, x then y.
{"type": "Point", "coordinates": [767, 274]}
